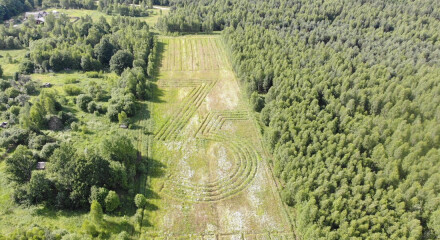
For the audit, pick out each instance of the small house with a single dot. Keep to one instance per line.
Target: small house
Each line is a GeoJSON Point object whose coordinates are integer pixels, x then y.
{"type": "Point", "coordinates": [47, 85]}
{"type": "Point", "coordinates": [124, 126]}
{"type": "Point", "coordinates": [4, 125]}
{"type": "Point", "coordinates": [37, 16]}
{"type": "Point", "coordinates": [41, 165]}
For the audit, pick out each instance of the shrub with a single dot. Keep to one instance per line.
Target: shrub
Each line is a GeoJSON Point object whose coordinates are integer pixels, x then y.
{"type": "Point", "coordinates": [4, 84]}
{"type": "Point", "coordinates": [12, 92]}
{"type": "Point", "coordinates": [139, 63]}
{"type": "Point", "coordinates": [37, 142]}
{"type": "Point", "coordinates": [48, 149]}
{"type": "Point", "coordinates": [71, 80]}
{"type": "Point", "coordinates": [120, 61]}
{"type": "Point", "coordinates": [93, 75]}
{"type": "Point", "coordinates": [74, 126]}
{"type": "Point", "coordinates": [91, 107]}
{"type": "Point", "coordinates": [82, 101]}
{"type": "Point", "coordinates": [30, 88]}
{"type": "Point", "coordinates": [257, 102]}
{"type": "Point", "coordinates": [123, 236]}
{"type": "Point", "coordinates": [72, 90]}
{"type": "Point", "coordinates": [26, 67]}
{"type": "Point", "coordinates": [15, 110]}
{"type": "Point", "coordinates": [98, 194]}
{"type": "Point", "coordinates": [111, 201]}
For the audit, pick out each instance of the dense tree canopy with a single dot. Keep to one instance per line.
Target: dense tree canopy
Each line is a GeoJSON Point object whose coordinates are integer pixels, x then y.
{"type": "Point", "coordinates": [351, 106]}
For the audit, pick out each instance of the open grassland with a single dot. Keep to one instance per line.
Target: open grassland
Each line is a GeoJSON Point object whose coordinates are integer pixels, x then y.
{"type": "Point", "coordinates": [208, 177]}
{"type": "Point", "coordinates": [10, 60]}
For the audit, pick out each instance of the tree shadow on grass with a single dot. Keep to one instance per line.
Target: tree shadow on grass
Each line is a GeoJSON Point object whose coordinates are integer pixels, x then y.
{"type": "Point", "coordinates": [115, 227]}
{"type": "Point", "coordinates": [52, 213]}
{"type": "Point", "coordinates": [150, 194]}
{"type": "Point", "coordinates": [155, 168]}
{"type": "Point", "coordinates": [158, 60]}
{"type": "Point", "coordinates": [157, 94]}
{"type": "Point", "coordinates": [151, 207]}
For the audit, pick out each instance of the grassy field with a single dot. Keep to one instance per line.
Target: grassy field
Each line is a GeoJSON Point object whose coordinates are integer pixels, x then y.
{"type": "Point", "coordinates": [155, 13]}
{"type": "Point", "coordinates": [10, 65]}
{"type": "Point", "coordinates": [209, 177]}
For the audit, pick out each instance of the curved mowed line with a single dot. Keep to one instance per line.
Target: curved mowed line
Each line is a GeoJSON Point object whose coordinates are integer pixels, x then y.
{"type": "Point", "coordinates": [247, 159]}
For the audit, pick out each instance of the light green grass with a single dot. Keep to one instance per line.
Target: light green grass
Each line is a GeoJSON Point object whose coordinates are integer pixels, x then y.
{"type": "Point", "coordinates": [10, 68]}
{"type": "Point", "coordinates": [95, 15]}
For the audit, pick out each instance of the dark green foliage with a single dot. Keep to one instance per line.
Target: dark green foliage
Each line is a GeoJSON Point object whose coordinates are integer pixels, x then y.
{"type": "Point", "coordinates": [111, 201]}
{"type": "Point", "coordinates": [20, 164]}
{"type": "Point", "coordinates": [47, 150]}
{"type": "Point", "coordinates": [135, 81]}
{"type": "Point", "coordinates": [82, 101]}
{"type": "Point", "coordinates": [26, 67]}
{"type": "Point", "coordinates": [119, 148]}
{"type": "Point", "coordinates": [84, 45]}
{"type": "Point", "coordinates": [41, 189]}
{"type": "Point", "coordinates": [4, 84]}
{"type": "Point", "coordinates": [12, 92]}
{"type": "Point", "coordinates": [71, 90]}
{"type": "Point", "coordinates": [351, 107]}
{"type": "Point", "coordinates": [92, 107]}
{"type": "Point", "coordinates": [98, 194]}
{"type": "Point", "coordinates": [90, 64]}
{"type": "Point", "coordinates": [257, 102]}
{"type": "Point", "coordinates": [119, 103]}
{"type": "Point", "coordinates": [1, 71]}
{"type": "Point", "coordinates": [120, 61]}
{"type": "Point", "coordinates": [10, 8]}
{"type": "Point", "coordinates": [14, 137]}
{"type": "Point", "coordinates": [104, 50]}
{"type": "Point", "coordinates": [90, 170]}
{"type": "Point", "coordinates": [140, 201]}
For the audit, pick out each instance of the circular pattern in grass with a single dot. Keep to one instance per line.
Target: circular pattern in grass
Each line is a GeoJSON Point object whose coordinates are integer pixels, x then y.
{"type": "Point", "coordinates": [243, 168]}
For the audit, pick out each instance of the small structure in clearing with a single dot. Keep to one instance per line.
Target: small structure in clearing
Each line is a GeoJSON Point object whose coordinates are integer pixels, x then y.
{"type": "Point", "coordinates": [47, 85]}
{"type": "Point", "coordinates": [41, 165]}
{"type": "Point", "coordinates": [38, 16]}
{"type": "Point", "coordinates": [124, 126]}
{"type": "Point", "coordinates": [4, 125]}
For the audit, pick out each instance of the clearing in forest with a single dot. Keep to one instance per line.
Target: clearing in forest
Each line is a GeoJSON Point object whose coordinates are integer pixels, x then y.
{"type": "Point", "coordinates": [208, 177]}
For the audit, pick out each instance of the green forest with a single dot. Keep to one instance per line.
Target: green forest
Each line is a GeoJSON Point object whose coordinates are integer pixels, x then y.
{"type": "Point", "coordinates": [346, 94]}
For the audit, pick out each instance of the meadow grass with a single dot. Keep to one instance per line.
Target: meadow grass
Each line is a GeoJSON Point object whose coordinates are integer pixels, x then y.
{"type": "Point", "coordinates": [95, 15]}
{"type": "Point", "coordinates": [10, 65]}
